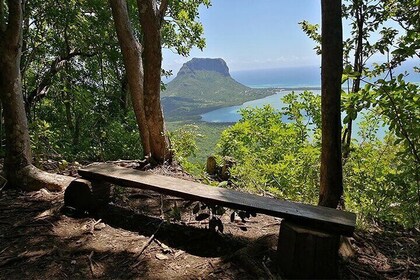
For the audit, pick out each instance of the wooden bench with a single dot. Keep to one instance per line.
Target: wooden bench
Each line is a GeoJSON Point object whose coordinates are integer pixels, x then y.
{"type": "Point", "coordinates": [309, 235]}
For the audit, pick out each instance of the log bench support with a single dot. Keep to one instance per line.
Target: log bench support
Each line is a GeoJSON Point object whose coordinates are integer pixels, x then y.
{"type": "Point", "coordinates": [87, 196]}
{"type": "Point", "coordinates": [309, 235]}
{"type": "Point", "coordinates": [305, 253]}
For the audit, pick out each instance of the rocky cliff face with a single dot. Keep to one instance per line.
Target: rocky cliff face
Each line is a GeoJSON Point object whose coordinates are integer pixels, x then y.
{"type": "Point", "coordinates": [204, 64]}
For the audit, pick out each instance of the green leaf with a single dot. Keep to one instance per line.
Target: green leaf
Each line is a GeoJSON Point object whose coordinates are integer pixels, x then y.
{"type": "Point", "coordinates": [223, 184]}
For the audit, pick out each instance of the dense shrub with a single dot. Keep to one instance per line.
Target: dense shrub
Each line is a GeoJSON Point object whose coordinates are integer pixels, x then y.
{"type": "Point", "coordinates": [282, 157]}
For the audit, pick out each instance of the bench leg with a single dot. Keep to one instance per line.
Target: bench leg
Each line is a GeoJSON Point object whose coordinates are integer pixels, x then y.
{"type": "Point", "coordinates": [84, 195]}
{"type": "Point", "coordinates": [307, 253]}
{"type": "Point", "coordinates": [79, 195]}
{"type": "Point", "coordinates": [101, 192]}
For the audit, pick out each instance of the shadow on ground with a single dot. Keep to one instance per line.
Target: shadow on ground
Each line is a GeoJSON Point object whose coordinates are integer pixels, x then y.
{"type": "Point", "coordinates": [38, 241]}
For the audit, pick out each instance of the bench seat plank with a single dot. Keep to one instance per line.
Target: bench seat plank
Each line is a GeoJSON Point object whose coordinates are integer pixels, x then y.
{"type": "Point", "coordinates": [322, 218]}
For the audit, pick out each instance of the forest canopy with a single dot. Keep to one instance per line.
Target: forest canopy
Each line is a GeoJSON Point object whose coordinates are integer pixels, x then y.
{"type": "Point", "coordinates": [75, 91]}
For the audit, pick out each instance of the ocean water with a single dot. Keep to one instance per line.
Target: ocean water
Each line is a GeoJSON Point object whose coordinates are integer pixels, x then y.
{"type": "Point", "coordinates": [231, 114]}
{"type": "Point", "coordinates": [291, 77]}
{"type": "Point", "coordinates": [280, 78]}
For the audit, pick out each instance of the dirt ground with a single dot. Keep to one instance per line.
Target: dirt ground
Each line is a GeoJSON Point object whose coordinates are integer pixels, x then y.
{"type": "Point", "coordinates": [138, 236]}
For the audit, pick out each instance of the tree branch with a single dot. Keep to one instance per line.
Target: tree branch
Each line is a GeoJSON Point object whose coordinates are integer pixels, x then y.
{"type": "Point", "coordinates": [400, 123]}
{"type": "Point", "coordinates": [402, 128]}
{"type": "Point", "coordinates": [42, 89]}
{"type": "Point", "coordinates": [162, 10]}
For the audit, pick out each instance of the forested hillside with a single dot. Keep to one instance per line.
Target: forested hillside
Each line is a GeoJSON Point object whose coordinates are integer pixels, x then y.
{"type": "Point", "coordinates": [202, 85]}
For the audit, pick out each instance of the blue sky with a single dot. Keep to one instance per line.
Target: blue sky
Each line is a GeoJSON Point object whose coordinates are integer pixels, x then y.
{"type": "Point", "coordinates": [255, 34]}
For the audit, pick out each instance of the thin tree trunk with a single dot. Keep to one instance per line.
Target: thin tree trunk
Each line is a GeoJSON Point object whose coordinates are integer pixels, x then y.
{"type": "Point", "coordinates": [124, 95]}
{"type": "Point", "coordinates": [76, 134]}
{"type": "Point", "coordinates": [331, 183]}
{"type": "Point", "coordinates": [18, 159]}
{"type": "Point", "coordinates": [150, 21]}
{"type": "Point", "coordinates": [73, 122]}
{"type": "Point", "coordinates": [131, 51]}
{"type": "Point", "coordinates": [357, 67]}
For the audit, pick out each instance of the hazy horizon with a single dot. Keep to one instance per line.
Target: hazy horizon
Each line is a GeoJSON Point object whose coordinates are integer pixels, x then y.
{"type": "Point", "coordinates": [294, 76]}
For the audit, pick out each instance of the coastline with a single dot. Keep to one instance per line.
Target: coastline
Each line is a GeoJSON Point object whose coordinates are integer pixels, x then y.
{"type": "Point", "coordinates": [230, 115]}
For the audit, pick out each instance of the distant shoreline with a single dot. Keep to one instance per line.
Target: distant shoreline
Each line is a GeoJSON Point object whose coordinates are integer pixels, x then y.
{"type": "Point", "coordinates": [280, 90]}
{"type": "Point", "coordinates": [287, 88]}
{"type": "Point", "coordinates": [302, 88]}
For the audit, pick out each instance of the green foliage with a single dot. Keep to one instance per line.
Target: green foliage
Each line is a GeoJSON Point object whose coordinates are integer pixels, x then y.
{"type": "Point", "coordinates": [281, 157]}
{"type": "Point", "coordinates": [273, 155]}
{"type": "Point", "coordinates": [379, 184]}
{"type": "Point", "coordinates": [43, 139]}
{"type": "Point", "coordinates": [74, 82]}
{"type": "Point", "coordinates": [206, 143]}
{"type": "Point", "coordinates": [182, 30]}
{"type": "Point", "coordinates": [381, 177]}
{"type": "Point", "coordinates": [96, 138]}
{"type": "Point", "coordinates": [183, 142]}
{"type": "Point", "coordinates": [121, 141]}
{"type": "Point", "coordinates": [399, 104]}
{"type": "Point", "coordinates": [312, 31]}
{"type": "Point", "coordinates": [193, 143]}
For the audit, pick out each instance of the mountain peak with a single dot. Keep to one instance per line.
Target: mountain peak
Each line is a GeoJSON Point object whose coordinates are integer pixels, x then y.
{"type": "Point", "coordinates": [205, 64]}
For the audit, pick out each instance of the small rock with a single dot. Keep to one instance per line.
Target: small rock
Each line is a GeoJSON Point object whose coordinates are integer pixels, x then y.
{"type": "Point", "coordinates": [73, 262]}
{"type": "Point", "coordinates": [100, 226]}
{"type": "Point", "coordinates": [166, 249]}
{"type": "Point", "coordinates": [161, 257]}
{"type": "Point", "coordinates": [45, 192]}
{"type": "Point", "coordinates": [85, 227]}
{"type": "Point", "coordinates": [179, 253]}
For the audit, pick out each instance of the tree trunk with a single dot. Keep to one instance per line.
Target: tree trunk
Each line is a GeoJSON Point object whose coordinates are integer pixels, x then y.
{"type": "Point", "coordinates": [18, 152]}
{"type": "Point", "coordinates": [2, 23]}
{"type": "Point", "coordinates": [331, 184]}
{"type": "Point", "coordinates": [18, 159]}
{"type": "Point", "coordinates": [1, 129]}
{"type": "Point", "coordinates": [131, 51]}
{"type": "Point", "coordinates": [143, 73]}
{"type": "Point", "coordinates": [150, 21]}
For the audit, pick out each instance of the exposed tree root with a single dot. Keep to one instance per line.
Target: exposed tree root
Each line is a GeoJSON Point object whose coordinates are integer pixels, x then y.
{"type": "Point", "coordinates": [31, 178]}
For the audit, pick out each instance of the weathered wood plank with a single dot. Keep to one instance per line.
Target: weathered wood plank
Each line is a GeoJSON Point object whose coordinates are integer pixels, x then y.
{"type": "Point", "coordinates": [331, 220]}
